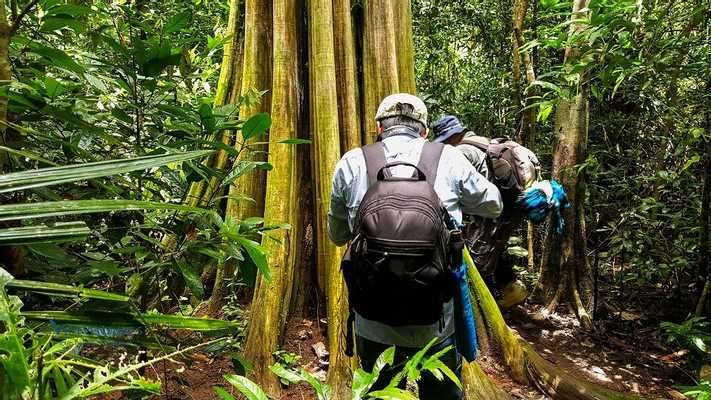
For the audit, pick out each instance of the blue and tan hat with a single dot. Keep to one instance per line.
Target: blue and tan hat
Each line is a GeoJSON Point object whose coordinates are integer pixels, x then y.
{"type": "Point", "coordinates": [446, 127]}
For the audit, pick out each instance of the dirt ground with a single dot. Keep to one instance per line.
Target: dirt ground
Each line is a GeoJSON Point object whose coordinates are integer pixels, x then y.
{"type": "Point", "coordinates": [622, 355]}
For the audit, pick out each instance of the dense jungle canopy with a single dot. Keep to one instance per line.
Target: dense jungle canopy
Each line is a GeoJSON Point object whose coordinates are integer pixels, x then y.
{"type": "Point", "coordinates": [166, 172]}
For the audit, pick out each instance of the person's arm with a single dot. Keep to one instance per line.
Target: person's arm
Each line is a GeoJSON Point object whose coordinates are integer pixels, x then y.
{"type": "Point", "coordinates": [476, 157]}
{"type": "Point", "coordinates": [477, 195]}
{"type": "Point", "coordinates": [338, 229]}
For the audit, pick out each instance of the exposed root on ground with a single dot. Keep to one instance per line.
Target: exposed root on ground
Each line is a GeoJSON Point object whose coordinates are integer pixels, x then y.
{"type": "Point", "coordinates": [524, 364]}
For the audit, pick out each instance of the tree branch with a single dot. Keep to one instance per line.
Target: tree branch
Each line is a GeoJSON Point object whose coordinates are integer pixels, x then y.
{"type": "Point", "coordinates": [18, 19]}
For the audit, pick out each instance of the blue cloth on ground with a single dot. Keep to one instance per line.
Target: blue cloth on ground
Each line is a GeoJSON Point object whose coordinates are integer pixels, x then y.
{"type": "Point", "coordinates": [465, 331]}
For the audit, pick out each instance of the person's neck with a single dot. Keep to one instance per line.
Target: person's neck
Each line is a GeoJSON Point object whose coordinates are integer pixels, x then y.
{"type": "Point", "coordinates": [399, 130]}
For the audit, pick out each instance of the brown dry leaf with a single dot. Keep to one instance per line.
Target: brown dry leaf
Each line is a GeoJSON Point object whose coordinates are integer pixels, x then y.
{"type": "Point", "coordinates": [705, 373]}
{"type": "Point", "coordinates": [675, 356]}
{"type": "Point", "coordinates": [200, 357]}
{"type": "Point", "coordinates": [675, 395]}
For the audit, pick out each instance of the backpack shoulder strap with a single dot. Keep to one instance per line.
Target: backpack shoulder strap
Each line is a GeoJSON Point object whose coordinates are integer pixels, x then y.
{"type": "Point", "coordinates": [374, 155]}
{"type": "Point", "coordinates": [429, 160]}
{"type": "Point", "coordinates": [479, 145]}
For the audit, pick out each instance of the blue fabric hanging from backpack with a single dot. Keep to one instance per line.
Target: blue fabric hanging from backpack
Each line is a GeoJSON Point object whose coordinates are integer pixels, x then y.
{"type": "Point", "coordinates": [465, 324]}
{"type": "Point", "coordinates": [543, 197]}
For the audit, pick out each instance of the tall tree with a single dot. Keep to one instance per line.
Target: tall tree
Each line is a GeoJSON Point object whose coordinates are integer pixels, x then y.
{"type": "Point", "coordinates": [256, 75]}
{"type": "Point", "coordinates": [346, 75]}
{"type": "Point", "coordinates": [380, 65]}
{"type": "Point", "coordinates": [705, 216]}
{"type": "Point", "coordinates": [527, 127]}
{"type": "Point", "coordinates": [272, 297]}
{"type": "Point", "coordinates": [565, 270]}
{"type": "Point", "coordinates": [325, 155]}
{"type": "Point", "coordinates": [405, 51]}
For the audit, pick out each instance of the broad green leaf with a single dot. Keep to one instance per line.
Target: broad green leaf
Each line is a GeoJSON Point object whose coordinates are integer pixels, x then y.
{"type": "Point", "coordinates": [5, 277]}
{"type": "Point", "coordinates": [53, 87]}
{"type": "Point", "coordinates": [31, 156]}
{"type": "Point", "coordinates": [120, 319]}
{"type": "Point", "coordinates": [222, 393]}
{"type": "Point", "coordinates": [256, 125]}
{"type": "Point", "coordinates": [191, 275]}
{"type": "Point", "coordinates": [177, 22]}
{"type": "Point", "coordinates": [248, 388]}
{"type": "Point", "coordinates": [257, 254]}
{"type": "Point", "coordinates": [58, 57]}
{"type": "Point", "coordinates": [392, 394]}
{"type": "Point", "coordinates": [285, 374]}
{"type": "Point", "coordinates": [59, 232]}
{"type": "Point", "coordinates": [79, 172]}
{"type": "Point", "coordinates": [74, 207]}
{"type": "Point", "coordinates": [244, 167]}
{"type": "Point", "coordinates": [323, 391]}
{"type": "Point", "coordinates": [67, 289]}
{"type": "Point", "coordinates": [54, 23]}
{"type": "Point", "coordinates": [691, 161]}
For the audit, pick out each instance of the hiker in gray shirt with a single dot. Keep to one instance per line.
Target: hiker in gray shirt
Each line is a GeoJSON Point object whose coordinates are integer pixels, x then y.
{"type": "Point", "coordinates": [402, 122]}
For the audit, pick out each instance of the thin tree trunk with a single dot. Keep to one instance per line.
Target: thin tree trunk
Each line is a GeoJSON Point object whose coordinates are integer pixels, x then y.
{"type": "Point", "coordinates": [256, 75]}
{"type": "Point", "coordinates": [380, 66]}
{"type": "Point", "coordinates": [272, 299]}
{"type": "Point", "coordinates": [565, 270]}
{"type": "Point", "coordinates": [326, 152]}
{"type": "Point", "coordinates": [527, 127]}
{"type": "Point", "coordinates": [703, 268]}
{"type": "Point", "coordinates": [528, 113]}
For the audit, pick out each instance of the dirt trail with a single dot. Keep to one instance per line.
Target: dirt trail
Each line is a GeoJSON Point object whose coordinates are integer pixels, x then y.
{"type": "Point", "coordinates": [627, 362]}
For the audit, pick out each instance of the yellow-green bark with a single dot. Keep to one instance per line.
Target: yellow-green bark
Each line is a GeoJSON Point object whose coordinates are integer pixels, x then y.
{"type": "Point", "coordinates": [346, 82]}
{"type": "Point", "coordinates": [405, 52]}
{"type": "Point", "coordinates": [200, 192]}
{"type": "Point", "coordinates": [325, 155]}
{"type": "Point", "coordinates": [380, 66]}
{"type": "Point", "coordinates": [230, 76]}
{"type": "Point", "coordinates": [256, 75]}
{"type": "Point", "coordinates": [272, 298]}
{"type": "Point", "coordinates": [565, 272]}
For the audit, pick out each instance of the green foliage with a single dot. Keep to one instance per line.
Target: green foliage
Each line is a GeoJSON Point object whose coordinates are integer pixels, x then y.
{"type": "Point", "coordinates": [693, 334]}
{"type": "Point", "coordinates": [362, 380]}
{"type": "Point", "coordinates": [38, 364]}
{"type": "Point", "coordinates": [702, 391]}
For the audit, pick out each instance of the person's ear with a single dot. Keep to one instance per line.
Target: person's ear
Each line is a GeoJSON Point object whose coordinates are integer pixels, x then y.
{"type": "Point", "coordinates": [380, 127]}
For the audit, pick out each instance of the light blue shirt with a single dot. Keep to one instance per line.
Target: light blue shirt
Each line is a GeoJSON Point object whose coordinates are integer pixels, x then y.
{"type": "Point", "coordinates": [460, 188]}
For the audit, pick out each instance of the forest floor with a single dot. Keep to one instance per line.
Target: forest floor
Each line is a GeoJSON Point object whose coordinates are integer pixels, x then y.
{"type": "Point", "coordinates": [622, 354]}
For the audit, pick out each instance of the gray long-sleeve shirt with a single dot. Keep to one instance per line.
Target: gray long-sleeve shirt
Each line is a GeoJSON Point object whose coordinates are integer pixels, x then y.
{"type": "Point", "coordinates": [460, 188]}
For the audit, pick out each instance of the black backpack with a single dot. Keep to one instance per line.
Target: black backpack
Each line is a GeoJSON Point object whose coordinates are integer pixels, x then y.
{"type": "Point", "coordinates": [397, 267]}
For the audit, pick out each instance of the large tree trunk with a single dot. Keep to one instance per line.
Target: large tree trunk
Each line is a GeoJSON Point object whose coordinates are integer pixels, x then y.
{"type": "Point", "coordinates": [405, 52]}
{"type": "Point", "coordinates": [380, 64]}
{"type": "Point", "coordinates": [565, 271]}
{"type": "Point", "coordinates": [272, 298]}
{"type": "Point", "coordinates": [256, 75]}
{"type": "Point", "coordinates": [346, 75]}
{"type": "Point", "coordinates": [325, 155]}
